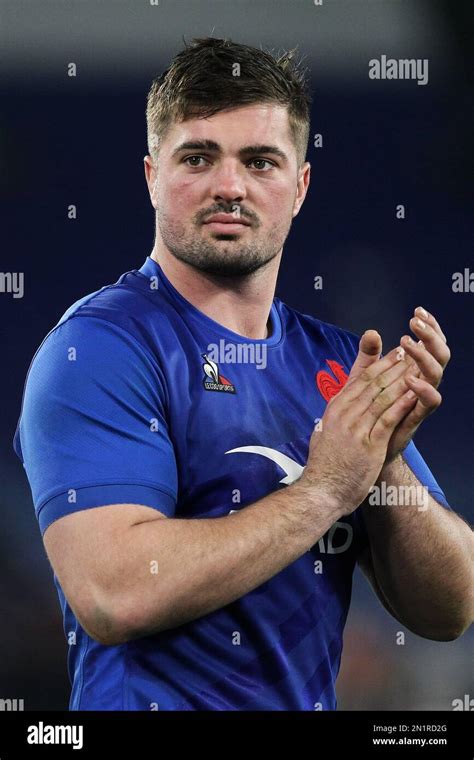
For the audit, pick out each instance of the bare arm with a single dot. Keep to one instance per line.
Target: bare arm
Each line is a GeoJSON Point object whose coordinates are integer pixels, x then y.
{"type": "Point", "coordinates": [106, 558]}
{"type": "Point", "coordinates": [422, 559]}
{"type": "Point", "coordinates": [166, 571]}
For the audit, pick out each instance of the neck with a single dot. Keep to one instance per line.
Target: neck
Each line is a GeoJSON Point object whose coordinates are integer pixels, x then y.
{"type": "Point", "coordinates": [241, 304]}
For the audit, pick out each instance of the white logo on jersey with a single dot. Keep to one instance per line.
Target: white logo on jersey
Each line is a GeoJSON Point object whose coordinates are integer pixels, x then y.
{"type": "Point", "coordinates": [293, 471]}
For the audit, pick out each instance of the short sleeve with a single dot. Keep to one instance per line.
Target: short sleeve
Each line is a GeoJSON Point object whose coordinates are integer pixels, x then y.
{"type": "Point", "coordinates": [93, 428]}
{"type": "Point", "coordinates": [418, 466]}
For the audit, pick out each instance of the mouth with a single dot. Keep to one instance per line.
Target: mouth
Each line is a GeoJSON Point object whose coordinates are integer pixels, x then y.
{"type": "Point", "coordinates": [226, 223]}
{"type": "Point", "coordinates": [226, 227]}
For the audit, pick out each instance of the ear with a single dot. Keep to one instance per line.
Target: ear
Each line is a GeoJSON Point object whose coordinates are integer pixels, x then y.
{"type": "Point", "coordinates": [301, 187]}
{"type": "Point", "coordinates": [151, 178]}
{"type": "Point", "coordinates": [148, 166]}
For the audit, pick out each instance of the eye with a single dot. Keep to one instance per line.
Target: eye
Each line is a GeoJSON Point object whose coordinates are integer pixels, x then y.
{"type": "Point", "coordinates": [194, 162]}
{"type": "Point", "coordinates": [262, 161]}
{"type": "Point", "coordinates": [193, 165]}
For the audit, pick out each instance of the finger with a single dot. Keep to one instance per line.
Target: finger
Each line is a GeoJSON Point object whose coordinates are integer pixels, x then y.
{"type": "Point", "coordinates": [355, 385]}
{"type": "Point", "coordinates": [432, 340]}
{"type": "Point", "coordinates": [370, 348]}
{"type": "Point", "coordinates": [430, 320]}
{"type": "Point", "coordinates": [376, 397]}
{"type": "Point", "coordinates": [425, 361]}
{"type": "Point", "coordinates": [410, 363]}
{"type": "Point", "coordinates": [428, 397]}
{"type": "Point", "coordinates": [383, 428]}
{"type": "Point", "coordinates": [381, 403]}
{"type": "Point", "coordinates": [425, 405]}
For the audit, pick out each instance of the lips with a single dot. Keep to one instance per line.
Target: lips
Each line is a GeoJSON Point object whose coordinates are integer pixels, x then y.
{"type": "Point", "coordinates": [226, 219]}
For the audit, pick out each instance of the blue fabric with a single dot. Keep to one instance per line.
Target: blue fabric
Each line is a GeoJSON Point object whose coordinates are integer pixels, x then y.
{"type": "Point", "coordinates": [121, 405]}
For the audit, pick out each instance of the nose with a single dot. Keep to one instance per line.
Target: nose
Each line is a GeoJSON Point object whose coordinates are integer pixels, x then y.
{"type": "Point", "coordinates": [228, 182]}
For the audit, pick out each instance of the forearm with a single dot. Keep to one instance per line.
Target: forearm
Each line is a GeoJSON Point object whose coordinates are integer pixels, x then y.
{"type": "Point", "coordinates": [204, 564]}
{"type": "Point", "coordinates": [422, 557]}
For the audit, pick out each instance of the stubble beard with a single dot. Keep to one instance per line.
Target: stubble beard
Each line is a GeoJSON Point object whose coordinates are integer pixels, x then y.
{"type": "Point", "coordinates": [209, 252]}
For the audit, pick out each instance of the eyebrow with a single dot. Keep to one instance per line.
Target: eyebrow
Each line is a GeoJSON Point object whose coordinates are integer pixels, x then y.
{"type": "Point", "coordinates": [213, 147]}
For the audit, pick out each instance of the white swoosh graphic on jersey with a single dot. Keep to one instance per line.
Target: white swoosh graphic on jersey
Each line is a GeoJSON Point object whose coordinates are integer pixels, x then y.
{"type": "Point", "coordinates": [293, 469]}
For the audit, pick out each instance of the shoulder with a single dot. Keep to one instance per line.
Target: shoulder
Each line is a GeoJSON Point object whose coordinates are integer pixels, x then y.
{"type": "Point", "coordinates": [131, 301]}
{"type": "Point", "coordinates": [130, 313]}
{"type": "Point", "coordinates": [110, 336]}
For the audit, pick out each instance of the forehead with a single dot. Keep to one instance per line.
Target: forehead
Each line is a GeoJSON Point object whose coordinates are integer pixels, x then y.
{"type": "Point", "coordinates": [232, 128]}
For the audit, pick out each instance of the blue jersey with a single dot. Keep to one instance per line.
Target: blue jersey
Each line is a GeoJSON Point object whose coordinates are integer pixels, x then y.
{"type": "Point", "coordinates": [138, 397]}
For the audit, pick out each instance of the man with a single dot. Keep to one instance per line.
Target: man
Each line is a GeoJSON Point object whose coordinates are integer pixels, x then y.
{"type": "Point", "coordinates": [203, 511]}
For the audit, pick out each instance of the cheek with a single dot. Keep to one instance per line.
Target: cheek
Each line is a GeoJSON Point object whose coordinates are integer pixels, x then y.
{"type": "Point", "coordinates": [278, 205]}
{"type": "Point", "coordinates": [179, 196]}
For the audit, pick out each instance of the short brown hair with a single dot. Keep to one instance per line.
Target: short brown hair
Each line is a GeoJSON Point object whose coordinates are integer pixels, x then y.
{"type": "Point", "coordinates": [202, 81]}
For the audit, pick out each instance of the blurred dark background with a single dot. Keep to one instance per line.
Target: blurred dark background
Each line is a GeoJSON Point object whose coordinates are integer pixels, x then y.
{"type": "Point", "coordinates": [81, 141]}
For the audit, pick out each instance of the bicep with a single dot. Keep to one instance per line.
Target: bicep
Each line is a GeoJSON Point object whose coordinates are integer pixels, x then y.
{"type": "Point", "coordinates": [94, 429]}
{"type": "Point", "coordinates": [420, 469]}
{"type": "Point", "coordinates": [84, 549]}
{"type": "Point", "coordinates": [367, 566]}
{"type": "Point", "coordinates": [97, 452]}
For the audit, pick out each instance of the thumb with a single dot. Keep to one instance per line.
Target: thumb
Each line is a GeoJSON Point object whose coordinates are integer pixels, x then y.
{"type": "Point", "coordinates": [370, 349]}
